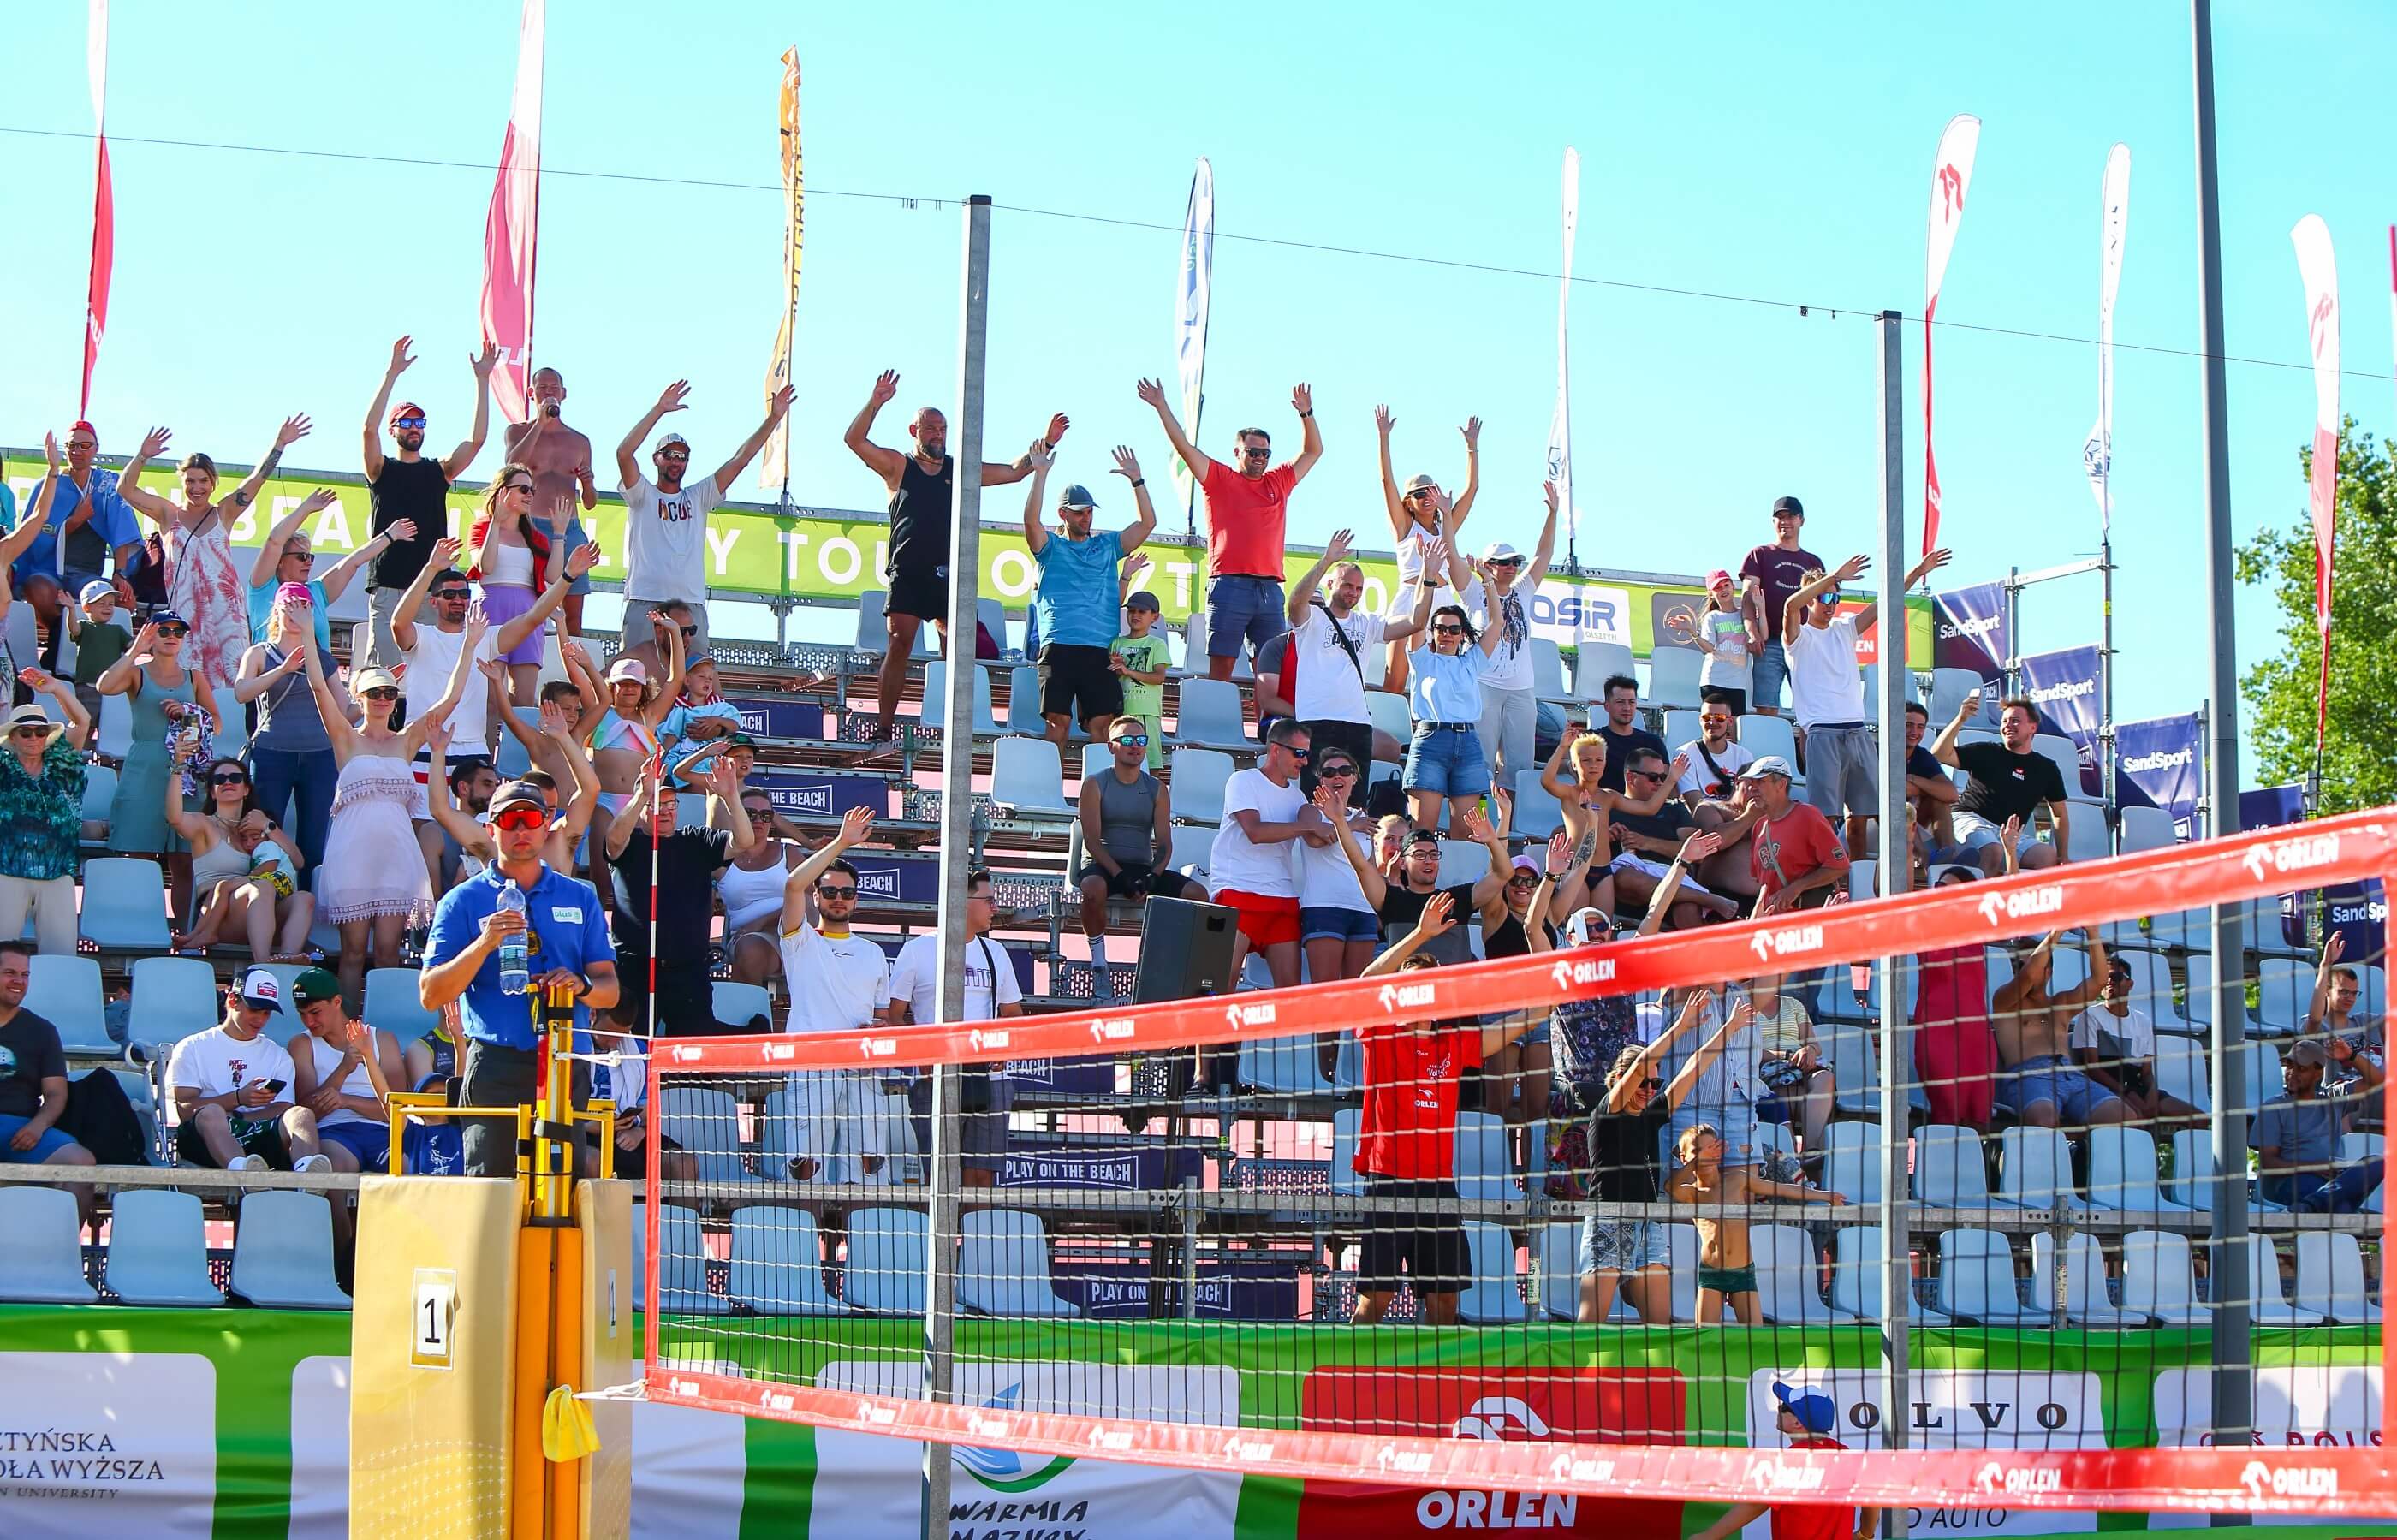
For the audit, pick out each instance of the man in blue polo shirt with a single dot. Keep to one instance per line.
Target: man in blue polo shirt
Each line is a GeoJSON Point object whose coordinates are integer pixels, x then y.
{"type": "Point", "coordinates": [569, 945]}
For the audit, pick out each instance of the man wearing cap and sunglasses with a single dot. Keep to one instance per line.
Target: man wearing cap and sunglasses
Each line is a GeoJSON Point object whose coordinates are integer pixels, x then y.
{"type": "Point", "coordinates": [1840, 748]}
{"type": "Point", "coordinates": [665, 522]}
{"type": "Point", "coordinates": [41, 808]}
{"type": "Point", "coordinates": [567, 935]}
{"type": "Point", "coordinates": [1074, 606]}
{"type": "Point", "coordinates": [406, 486]}
{"type": "Point", "coordinates": [1248, 510]}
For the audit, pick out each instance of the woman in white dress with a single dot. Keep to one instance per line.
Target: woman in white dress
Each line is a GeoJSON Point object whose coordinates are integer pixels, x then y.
{"type": "Point", "coordinates": [373, 885]}
{"type": "Point", "coordinates": [204, 585]}
{"type": "Point", "coordinates": [1415, 518]}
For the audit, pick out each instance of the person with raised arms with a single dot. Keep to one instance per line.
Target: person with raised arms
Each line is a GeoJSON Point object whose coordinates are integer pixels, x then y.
{"type": "Point", "coordinates": [665, 522]}
{"type": "Point", "coordinates": [839, 1112]}
{"type": "Point", "coordinates": [406, 486]}
{"type": "Point", "coordinates": [1415, 518]}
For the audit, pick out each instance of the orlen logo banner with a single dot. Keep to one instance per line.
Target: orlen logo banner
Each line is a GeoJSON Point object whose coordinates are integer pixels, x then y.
{"type": "Point", "coordinates": [1559, 1406]}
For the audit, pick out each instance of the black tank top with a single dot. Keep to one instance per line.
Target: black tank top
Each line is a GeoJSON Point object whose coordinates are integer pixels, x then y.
{"type": "Point", "coordinates": [1509, 939]}
{"type": "Point", "coordinates": [412, 489]}
{"type": "Point", "coordinates": [920, 517]}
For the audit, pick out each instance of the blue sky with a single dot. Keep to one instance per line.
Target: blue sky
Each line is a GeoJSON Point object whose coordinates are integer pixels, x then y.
{"type": "Point", "coordinates": [1773, 151]}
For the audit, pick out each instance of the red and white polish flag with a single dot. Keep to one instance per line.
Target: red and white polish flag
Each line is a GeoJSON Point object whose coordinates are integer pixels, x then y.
{"type": "Point", "coordinates": [1952, 175]}
{"type": "Point", "coordinates": [511, 230]}
{"type": "Point", "coordinates": [2319, 272]}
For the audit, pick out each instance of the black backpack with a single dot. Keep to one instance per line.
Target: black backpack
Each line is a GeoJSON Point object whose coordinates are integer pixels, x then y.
{"type": "Point", "coordinates": [100, 1119]}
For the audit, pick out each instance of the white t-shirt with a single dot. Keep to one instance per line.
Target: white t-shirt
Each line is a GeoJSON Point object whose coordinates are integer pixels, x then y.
{"type": "Point", "coordinates": [1734, 757]}
{"type": "Point", "coordinates": [429, 664]}
{"type": "Point", "coordinates": [915, 978]}
{"type": "Point", "coordinates": [215, 1061]}
{"type": "Point", "coordinates": [1239, 863]}
{"type": "Point", "coordinates": [1510, 663]}
{"type": "Point", "coordinates": [1330, 688]}
{"type": "Point", "coordinates": [2131, 1036]}
{"type": "Point", "coordinates": [846, 981]}
{"type": "Point", "coordinates": [1403, 598]}
{"type": "Point", "coordinates": [1325, 879]}
{"type": "Point", "coordinates": [665, 538]}
{"type": "Point", "coordinates": [1825, 683]}
{"type": "Point", "coordinates": [359, 1083]}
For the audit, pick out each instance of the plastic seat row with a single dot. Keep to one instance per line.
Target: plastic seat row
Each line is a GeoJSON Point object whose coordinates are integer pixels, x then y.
{"type": "Point", "coordinates": [2035, 1168]}
{"type": "Point", "coordinates": [776, 1267]}
{"type": "Point", "coordinates": [157, 1251]}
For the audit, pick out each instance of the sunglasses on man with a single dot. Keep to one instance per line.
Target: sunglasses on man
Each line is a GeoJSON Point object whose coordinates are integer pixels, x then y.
{"type": "Point", "coordinates": [520, 817]}
{"type": "Point", "coordinates": [845, 891]}
{"type": "Point", "coordinates": [408, 421]}
{"type": "Point", "coordinates": [1131, 739]}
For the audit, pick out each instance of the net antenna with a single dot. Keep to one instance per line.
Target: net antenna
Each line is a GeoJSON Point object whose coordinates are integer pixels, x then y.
{"type": "Point", "coordinates": [2058, 1355]}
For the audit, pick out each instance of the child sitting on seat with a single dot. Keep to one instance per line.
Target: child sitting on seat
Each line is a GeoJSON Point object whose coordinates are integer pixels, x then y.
{"type": "Point", "coordinates": [1721, 1195]}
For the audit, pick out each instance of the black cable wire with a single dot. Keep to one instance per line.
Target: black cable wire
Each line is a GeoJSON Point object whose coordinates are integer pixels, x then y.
{"type": "Point", "coordinates": [911, 200]}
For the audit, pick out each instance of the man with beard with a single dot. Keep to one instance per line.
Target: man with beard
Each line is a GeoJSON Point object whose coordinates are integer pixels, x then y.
{"type": "Point", "coordinates": [921, 491]}
{"type": "Point", "coordinates": [406, 486]}
{"type": "Point", "coordinates": [559, 459]}
{"type": "Point", "coordinates": [88, 517]}
{"type": "Point", "coordinates": [665, 523]}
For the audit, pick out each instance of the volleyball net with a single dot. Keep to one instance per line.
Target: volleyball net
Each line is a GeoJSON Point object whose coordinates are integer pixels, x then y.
{"type": "Point", "coordinates": [1676, 1217]}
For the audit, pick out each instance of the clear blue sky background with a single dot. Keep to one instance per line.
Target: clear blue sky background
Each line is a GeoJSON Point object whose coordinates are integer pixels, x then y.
{"type": "Point", "coordinates": [1765, 151]}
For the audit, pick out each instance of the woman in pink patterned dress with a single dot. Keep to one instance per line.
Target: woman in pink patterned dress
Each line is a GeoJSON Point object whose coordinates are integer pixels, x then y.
{"type": "Point", "coordinates": [204, 585]}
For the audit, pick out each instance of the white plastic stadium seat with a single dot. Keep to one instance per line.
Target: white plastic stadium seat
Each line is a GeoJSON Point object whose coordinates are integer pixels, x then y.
{"type": "Point", "coordinates": [1948, 687]}
{"type": "Point", "coordinates": [1786, 1294]}
{"type": "Point", "coordinates": [2122, 1170]}
{"type": "Point", "coordinates": [873, 635]}
{"type": "Point", "coordinates": [1856, 1277]}
{"type": "Point", "coordinates": [2035, 1169]}
{"type": "Point", "coordinates": [706, 1122]}
{"type": "Point", "coordinates": [2283, 988]}
{"type": "Point", "coordinates": [1003, 1266]}
{"type": "Point", "coordinates": [394, 1005]}
{"type": "Point", "coordinates": [737, 1004]}
{"type": "Point", "coordinates": [158, 1249]}
{"type": "Point", "coordinates": [2159, 1280]}
{"type": "Point", "coordinates": [778, 1263]}
{"type": "Point", "coordinates": [936, 697]}
{"type": "Point", "coordinates": [1462, 860]}
{"type": "Point", "coordinates": [2180, 1071]}
{"type": "Point", "coordinates": [2330, 1278]}
{"type": "Point", "coordinates": [283, 1253]}
{"type": "Point", "coordinates": [1537, 813]}
{"type": "Point", "coordinates": [1024, 702]}
{"type": "Point", "coordinates": [1197, 789]}
{"type": "Point", "coordinates": [1976, 1280]}
{"type": "Point", "coordinates": [65, 991]}
{"type": "Point", "coordinates": [1673, 676]}
{"type": "Point", "coordinates": [682, 1265]}
{"type": "Point", "coordinates": [124, 904]}
{"type": "Point", "coordinates": [2087, 838]}
{"type": "Point", "coordinates": [99, 788]}
{"type": "Point", "coordinates": [42, 1264]}
{"type": "Point", "coordinates": [1195, 655]}
{"type": "Point", "coordinates": [1027, 776]}
{"type": "Point", "coordinates": [1595, 662]}
{"type": "Point", "coordinates": [1763, 735]}
{"type": "Point", "coordinates": [887, 1251]}
{"type": "Point", "coordinates": [1853, 1167]}
{"type": "Point", "coordinates": [2152, 990]}
{"type": "Point", "coordinates": [2086, 1303]}
{"type": "Point", "coordinates": [1949, 1173]}
{"type": "Point", "coordinates": [172, 999]}
{"type": "Point", "coordinates": [1484, 1172]}
{"type": "Point", "coordinates": [1283, 1066]}
{"type": "Point", "coordinates": [1344, 1124]}
{"type": "Point", "coordinates": [1209, 715]}
{"type": "Point", "coordinates": [1547, 670]}
{"type": "Point", "coordinates": [2066, 756]}
{"type": "Point", "coordinates": [2146, 829]}
{"type": "Point", "coordinates": [1388, 713]}
{"type": "Point", "coordinates": [1491, 1297]}
{"type": "Point", "coordinates": [1682, 727]}
{"type": "Point", "coordinates": [2265, 1303]}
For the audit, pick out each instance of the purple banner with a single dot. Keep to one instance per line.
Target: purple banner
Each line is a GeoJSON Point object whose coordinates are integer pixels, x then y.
{"type": "Point", "coordinates": [2158, 763]}
{"type": "Point", "coordinates": [771, 717]}
{"type": "Point", "coordinates": [1970, 630]}
{"type": "Point", "coordinates": [798, 795]}
{"type": "Point", "coordinates": [2361, 914]}
{"type": "Point", "coordinates": [2064, 685]}
{"type": "Point", "coordinates": [1120, 1291]}
{"type": "Point", "coordinates": [2270, 807]}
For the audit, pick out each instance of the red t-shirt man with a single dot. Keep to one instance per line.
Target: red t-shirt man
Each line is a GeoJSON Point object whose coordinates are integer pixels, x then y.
{"type": "Point", "coordinates": [1245, 520]}
{"type": "Point", "coordinates": [1408, 1127]}
{"type": "Point", "coordinates": [1785, 848]}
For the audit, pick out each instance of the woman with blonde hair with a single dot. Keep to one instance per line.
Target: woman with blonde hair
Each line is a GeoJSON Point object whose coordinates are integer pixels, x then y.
{"type": "Point", "coordinates": [290, 755]}
{"type": "Point", "coordinates": [512, 562]}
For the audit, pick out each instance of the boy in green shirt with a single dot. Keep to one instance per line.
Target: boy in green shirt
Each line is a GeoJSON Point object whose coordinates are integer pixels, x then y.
{"type": "Point", "coordinates": [1141, 658]}
{"type": "Point", "coordinates": [99, 641]}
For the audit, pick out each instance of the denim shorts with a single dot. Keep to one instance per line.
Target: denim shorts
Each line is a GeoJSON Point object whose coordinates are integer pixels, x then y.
{"type": "Point", "coordinates": [1447, 760]}
{"type": "Point", "coordinates": [1243, 609]}
{"type": "Point", "coordinates": [575, 541]}
{"type": "Point", "coordinates": [1772, 669]}
{"type": "Point", "coordinates": [1331, 922]}
{"type": "Point", "coordinates": [1622, 1245]}
{"type": "Point", "coordinates": [2056, 1081]}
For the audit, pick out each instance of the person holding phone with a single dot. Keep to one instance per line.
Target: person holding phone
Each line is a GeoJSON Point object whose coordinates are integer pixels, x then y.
{"type": "Point", "coordinates": [232, 1090]}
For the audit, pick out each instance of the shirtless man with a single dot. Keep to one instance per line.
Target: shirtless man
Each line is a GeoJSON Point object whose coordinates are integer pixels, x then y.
{"type": "Point", "coordinates": [1722, 1194]}
{"type": "Point", "coordinates": [559, 459]}
{"type": "Point", "coordinates": [2037, 1079]}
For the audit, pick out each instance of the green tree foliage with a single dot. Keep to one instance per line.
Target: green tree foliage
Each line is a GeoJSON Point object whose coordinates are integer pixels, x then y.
{"type": "Point", "coordinates": [2359, 747]}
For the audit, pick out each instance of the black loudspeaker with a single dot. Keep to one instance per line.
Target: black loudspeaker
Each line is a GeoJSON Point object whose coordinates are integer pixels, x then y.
{"type": "Point", "coordinates": [1186, 951]}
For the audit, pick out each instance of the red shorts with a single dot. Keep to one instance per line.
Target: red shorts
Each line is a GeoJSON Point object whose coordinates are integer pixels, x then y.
{"type": "Point", "coordinates": [1265, 922]}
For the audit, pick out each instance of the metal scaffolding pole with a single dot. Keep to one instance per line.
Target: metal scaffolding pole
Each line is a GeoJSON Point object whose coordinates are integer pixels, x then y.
{"type": "Point", "coordinates": [1896, 867]}
{"type": "Point", "coordinates": [2233, 1348]}
{"type": "Point", "coordinates": [956, 848]}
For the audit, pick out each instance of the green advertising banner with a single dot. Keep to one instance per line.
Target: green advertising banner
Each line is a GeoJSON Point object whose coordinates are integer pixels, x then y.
{"type": "Point", "coordinates": [235, 1422]}
{"type": "Point", "coordinates": [814, 553]}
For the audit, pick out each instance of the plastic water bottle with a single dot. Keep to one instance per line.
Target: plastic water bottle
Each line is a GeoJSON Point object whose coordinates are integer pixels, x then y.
{"type": "Point", "coordinates": [516, 973]}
